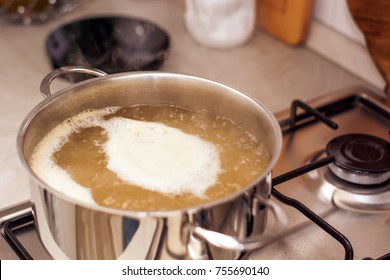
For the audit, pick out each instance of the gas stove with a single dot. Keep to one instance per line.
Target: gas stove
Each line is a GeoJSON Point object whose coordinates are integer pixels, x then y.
{"type": "Point", "coordinates": [332, 179]}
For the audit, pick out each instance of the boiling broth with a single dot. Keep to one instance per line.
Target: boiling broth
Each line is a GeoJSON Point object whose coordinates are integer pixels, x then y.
{"type": "Point", "coordinates": [75, 158]}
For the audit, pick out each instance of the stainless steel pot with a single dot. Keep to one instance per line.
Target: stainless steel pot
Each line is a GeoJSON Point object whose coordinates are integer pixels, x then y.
{"type": "Point", "coordinates": [223, 229]}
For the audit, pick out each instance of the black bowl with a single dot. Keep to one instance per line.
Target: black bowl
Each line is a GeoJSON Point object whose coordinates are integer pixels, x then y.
{"type": "Point", "coordinates": [111, 44]}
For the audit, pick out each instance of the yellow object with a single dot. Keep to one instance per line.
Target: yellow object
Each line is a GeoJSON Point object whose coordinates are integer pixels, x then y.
{"type": "Point", "coordinates": [287, 20]}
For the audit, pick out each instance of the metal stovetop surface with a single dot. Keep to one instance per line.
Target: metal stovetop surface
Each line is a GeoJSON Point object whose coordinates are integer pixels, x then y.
{"type": "Point", "coordinates": [365, 223]}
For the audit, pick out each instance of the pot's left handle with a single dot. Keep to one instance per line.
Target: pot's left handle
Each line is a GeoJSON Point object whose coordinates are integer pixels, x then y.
{"type": "Point", "coordinates": [46, 82]}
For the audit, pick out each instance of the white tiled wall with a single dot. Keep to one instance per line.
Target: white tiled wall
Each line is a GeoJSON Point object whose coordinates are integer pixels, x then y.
{"type": "Point", "coordinates": [335, 36]}
{"type": "Point", "coordinates": [335, 14]}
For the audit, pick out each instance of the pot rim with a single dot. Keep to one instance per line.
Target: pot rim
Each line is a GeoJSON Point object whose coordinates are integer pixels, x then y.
{"type": "Point", "coordinates": [132, 213]}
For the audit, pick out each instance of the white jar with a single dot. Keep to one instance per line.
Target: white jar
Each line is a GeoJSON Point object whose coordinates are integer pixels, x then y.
{"type": "Point", "coordinates": [220, 23]}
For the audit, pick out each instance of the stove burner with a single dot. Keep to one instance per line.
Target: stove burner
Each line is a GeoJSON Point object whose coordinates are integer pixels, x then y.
{"type": "Point", "coordinates": [360, 158]}
{"type": "Point", "coordinates": [330, 188]}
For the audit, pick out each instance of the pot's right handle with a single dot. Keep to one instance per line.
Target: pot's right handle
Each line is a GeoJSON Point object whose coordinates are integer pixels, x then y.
{"type": "Point", "coordinates": [255, 242]}
{"type": "Point", "coordinates": [46, 82]}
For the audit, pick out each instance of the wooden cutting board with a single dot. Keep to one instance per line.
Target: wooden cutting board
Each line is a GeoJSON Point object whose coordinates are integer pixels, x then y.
{"type": "Point", "coordinates": [287, 20]}
{"type": "Point", "coordinates": [373, 19]}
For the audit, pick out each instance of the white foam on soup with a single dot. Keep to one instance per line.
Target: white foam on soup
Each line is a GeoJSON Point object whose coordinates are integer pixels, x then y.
{"type": "Point", "coordinates": [42, 162]}
{"type": "Point", "coordinates": [148, 154]}
{"type": "Point", "coordinates": [160, 158]}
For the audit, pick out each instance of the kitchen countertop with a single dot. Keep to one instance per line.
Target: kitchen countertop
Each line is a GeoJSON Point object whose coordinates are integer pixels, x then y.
{"type": "Point", "coordinates": [265, 68]}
